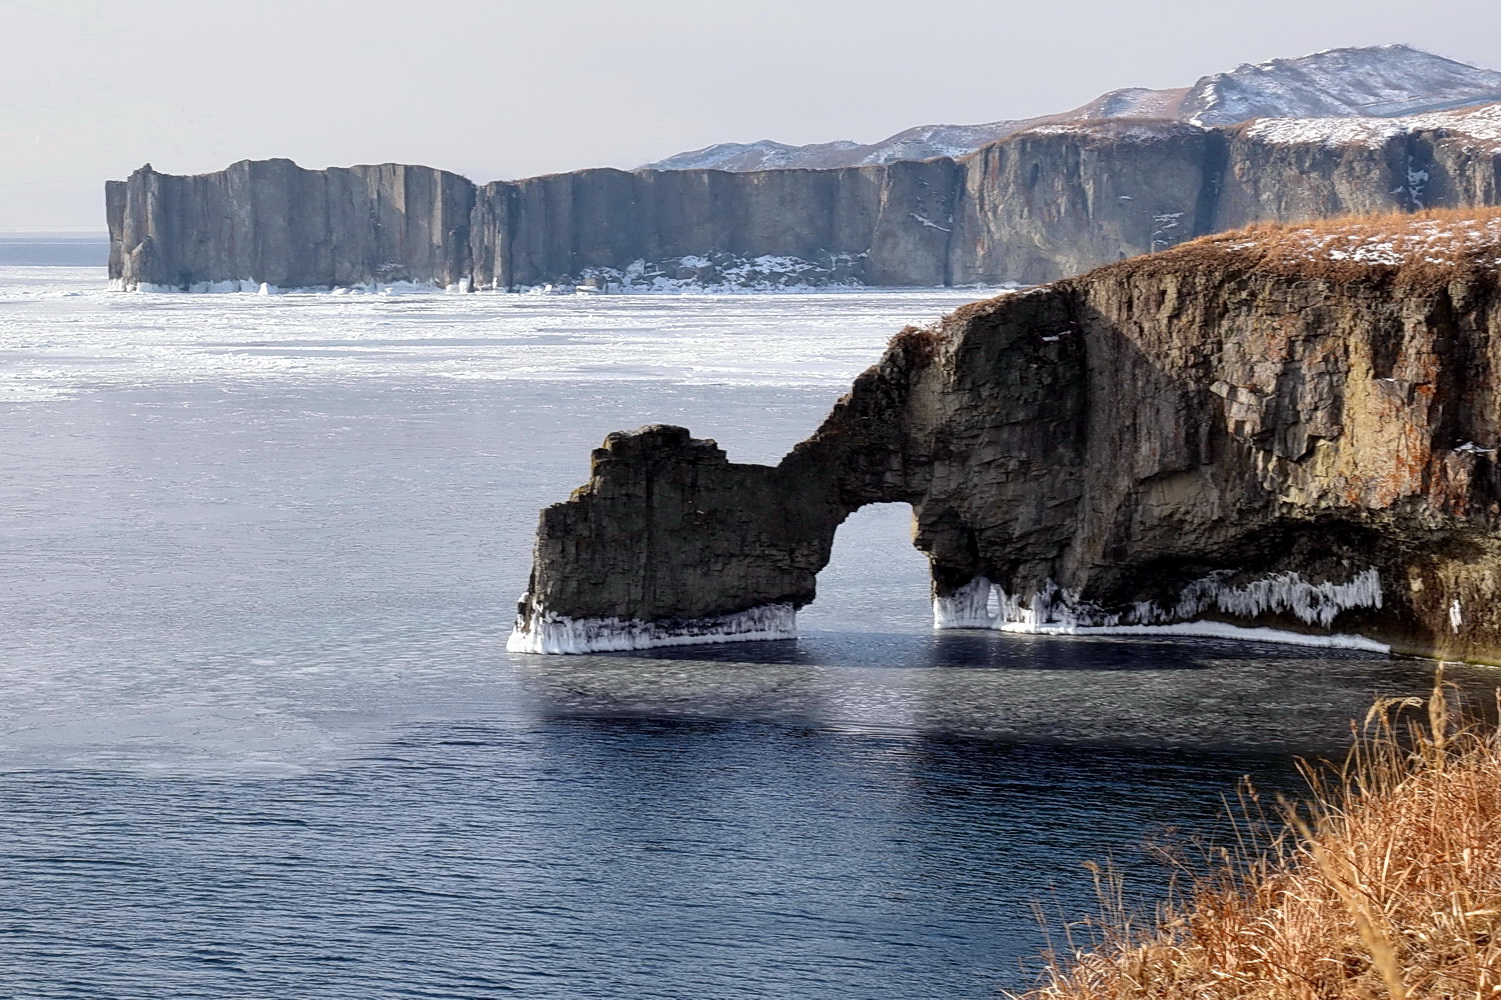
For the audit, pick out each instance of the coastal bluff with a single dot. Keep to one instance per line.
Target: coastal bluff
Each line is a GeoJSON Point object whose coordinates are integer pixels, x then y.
{"type": "Point", "coordinates": [1043, 203]}
{"type": "Point", "coordinates": [1290, 428]}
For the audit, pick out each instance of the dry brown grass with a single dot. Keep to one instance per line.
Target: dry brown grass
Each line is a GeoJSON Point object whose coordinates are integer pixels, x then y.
{"type": "Point", "coordinates": [1387, 885]}
{"type": "Point", "coordinates": [917, 344]}
{"type": "Point", "coordinates": [1423, 248]}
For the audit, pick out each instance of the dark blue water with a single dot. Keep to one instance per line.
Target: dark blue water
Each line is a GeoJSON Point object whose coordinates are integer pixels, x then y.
{"type": "Point", "coordinates": [588, 857]}
{"type": "Point", "coordinates": [260, 737]}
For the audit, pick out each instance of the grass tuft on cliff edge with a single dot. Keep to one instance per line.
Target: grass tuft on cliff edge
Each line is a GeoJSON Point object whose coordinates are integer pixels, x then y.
{"type": "Point", "coordinates": [1387, 884]}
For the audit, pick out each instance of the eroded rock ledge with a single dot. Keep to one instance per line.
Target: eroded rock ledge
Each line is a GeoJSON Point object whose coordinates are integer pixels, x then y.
{"type": "Point", "coordinates": [1285, 428]}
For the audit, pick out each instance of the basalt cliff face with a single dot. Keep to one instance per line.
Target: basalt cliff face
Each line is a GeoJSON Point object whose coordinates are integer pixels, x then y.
{"type": "Point", "coordinates": [1038, 205]}
{"type": "Point", "coordinates": [273, 222]}
{"type": "Point", "coordinates": [1285, 428]}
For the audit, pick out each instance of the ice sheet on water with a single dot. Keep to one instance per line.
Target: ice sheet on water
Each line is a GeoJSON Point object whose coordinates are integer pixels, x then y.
{"type": "Point", "coordinates": [61, 331]}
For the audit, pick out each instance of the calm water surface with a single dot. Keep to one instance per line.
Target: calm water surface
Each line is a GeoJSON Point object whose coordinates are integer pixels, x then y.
{"type": "Point", "coordinates": [260, 736]}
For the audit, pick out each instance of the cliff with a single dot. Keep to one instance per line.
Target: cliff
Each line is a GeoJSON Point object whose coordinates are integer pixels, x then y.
{"type": "Point", "coordinates": [1294, 428]}
{"type": "Point", "coordinates": [1041, 204]}
{"type": "Point", "coordinates": [271, 221]}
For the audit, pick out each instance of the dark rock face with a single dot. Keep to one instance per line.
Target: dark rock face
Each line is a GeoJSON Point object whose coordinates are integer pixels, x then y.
{"type": "Point", "coordinates": [1062, 200]}
{"type": "Point", "coordinates": [273, 222]}
{"type": "Point", "coordinates": [662, 510]}
{"type": "Point", "coordinates": [1224, 432]}
{"type": "Point", "coordinates": [555, 228]}
{"type": "Point", "coordinates": [1043, 203]}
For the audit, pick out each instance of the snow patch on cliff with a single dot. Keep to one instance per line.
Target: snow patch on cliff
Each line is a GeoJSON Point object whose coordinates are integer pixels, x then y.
{"type": "Point", "coordinates": [1479, 126]}
{"type": "Point", "coordinates": [1117, 130]}
{"type": "Point", "coordinates": [547, 632]}
{"type": "Point", "coordinates": [1445, 239]}
{"type": "Point", "coordinates": [716, 272]}
{"type": "Point", "coordinates": [1450, 238]}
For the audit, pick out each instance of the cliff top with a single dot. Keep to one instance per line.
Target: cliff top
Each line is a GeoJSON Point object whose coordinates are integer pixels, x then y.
{"type": "Point", "coordinates": [1438, 245]}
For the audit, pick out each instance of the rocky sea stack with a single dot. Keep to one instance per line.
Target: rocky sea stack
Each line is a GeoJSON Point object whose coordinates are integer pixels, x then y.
{"type": "Point", "coordinates": [1293, 428]}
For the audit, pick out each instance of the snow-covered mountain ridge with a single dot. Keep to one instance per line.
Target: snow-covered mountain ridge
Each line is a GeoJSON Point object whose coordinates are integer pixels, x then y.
{"type": "Point", "coordinates": [1378, 82]}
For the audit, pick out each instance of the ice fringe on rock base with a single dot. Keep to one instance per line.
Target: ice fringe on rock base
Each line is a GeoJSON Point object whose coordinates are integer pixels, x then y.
{"type": "Point", "coordinates": [967, 607]}
{"type": "Point", "coordinates": [250, 286]}
{"type": "Point", "coordinates": [547, 632]}
{"type": "Point", "coordinates": [1056, 611]}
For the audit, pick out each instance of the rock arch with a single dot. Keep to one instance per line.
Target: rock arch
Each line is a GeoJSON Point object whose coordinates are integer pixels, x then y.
{"type": "Point", "coordinates": [1208, 434]}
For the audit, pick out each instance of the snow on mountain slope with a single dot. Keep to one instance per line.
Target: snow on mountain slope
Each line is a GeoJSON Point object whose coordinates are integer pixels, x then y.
{"type": "Point", "coordinates": [763, 155]}
{"type": "Point", "coordinates": [1378, 82]}
{"type": "Point", "coordinates": [1382, 82]}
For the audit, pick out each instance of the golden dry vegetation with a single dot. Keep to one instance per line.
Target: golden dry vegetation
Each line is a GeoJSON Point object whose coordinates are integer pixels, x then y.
{"type": "Point", "coordinates": [1438, 245]}
{"type": "Point", "coordinates": [1386, 884]}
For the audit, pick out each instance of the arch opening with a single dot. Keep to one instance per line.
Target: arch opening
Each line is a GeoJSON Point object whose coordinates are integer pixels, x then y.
{"type": "Point", "coordinates": [876, 580]}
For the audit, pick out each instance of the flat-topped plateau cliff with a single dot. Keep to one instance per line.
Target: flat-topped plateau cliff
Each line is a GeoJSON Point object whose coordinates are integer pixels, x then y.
{"type": "Point", "coordinates": [1040, 204]}
{"type": "Point", "coordinates": [1292, 428]}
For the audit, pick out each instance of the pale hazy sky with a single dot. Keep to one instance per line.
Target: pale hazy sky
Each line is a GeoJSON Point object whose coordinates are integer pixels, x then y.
{"type": "Point", "coordinates": [91, 89]}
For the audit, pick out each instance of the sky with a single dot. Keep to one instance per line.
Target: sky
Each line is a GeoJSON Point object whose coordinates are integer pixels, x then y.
{"type": "Point", "coordinates": [92, 89]}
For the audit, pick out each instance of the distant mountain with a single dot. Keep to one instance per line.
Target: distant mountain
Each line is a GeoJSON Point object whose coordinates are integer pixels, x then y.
{"type": "Point", "coordinates": [1378, 82]}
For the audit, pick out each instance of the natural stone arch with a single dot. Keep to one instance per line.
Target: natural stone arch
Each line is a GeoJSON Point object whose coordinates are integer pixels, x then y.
{"type": "Point", "coordinates": [1212, 433]}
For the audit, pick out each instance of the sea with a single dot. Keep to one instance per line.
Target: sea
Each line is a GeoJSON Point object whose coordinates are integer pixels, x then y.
{"type": "Point", "coordinates": [260, 736]}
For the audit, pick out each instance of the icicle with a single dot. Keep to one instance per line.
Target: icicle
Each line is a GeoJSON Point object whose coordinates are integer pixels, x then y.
{"type": "Point", "coordinates": [1313, 603]}
{"type": "Point", "coordinates": [1053, 610]}
{"type": "Point", "coordinates": [547, 632]}
{"type": "Point", "coordinates": [967, 607]}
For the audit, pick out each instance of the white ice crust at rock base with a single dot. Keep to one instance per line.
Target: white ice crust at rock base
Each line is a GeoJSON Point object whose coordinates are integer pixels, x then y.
{"type": "Point", "coordinates": [252, 286]}
{"type": "Point", "coordinates": [967, 607]}
{"type": "Point", "coordinates": [1054, 611]}
{"type": "Point", "coordinates": [547, 632]}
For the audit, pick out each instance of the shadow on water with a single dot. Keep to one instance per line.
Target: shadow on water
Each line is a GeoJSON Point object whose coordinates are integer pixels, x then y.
{"type": "Point", "coordinates": [1204, 695]}
{"type": "Point", "coordinates": [852, 864]}
{"type": "Point", "coordinates": [978, 648]}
